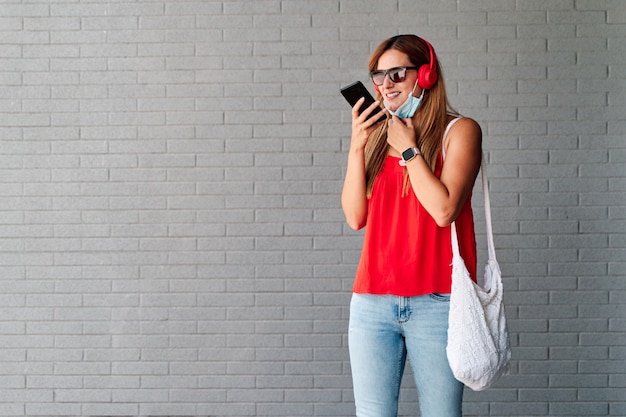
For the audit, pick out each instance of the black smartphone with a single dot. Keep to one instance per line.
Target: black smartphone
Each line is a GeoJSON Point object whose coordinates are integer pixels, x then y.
{"type": "Point", "coordinates": [354, 92]}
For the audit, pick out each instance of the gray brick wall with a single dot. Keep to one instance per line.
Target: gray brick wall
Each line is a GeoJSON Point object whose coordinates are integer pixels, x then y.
{"type": "Point", "coordinates": [172, 241]}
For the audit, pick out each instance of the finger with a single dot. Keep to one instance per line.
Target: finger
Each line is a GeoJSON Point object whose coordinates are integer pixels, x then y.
{"type": "Point", "coordinates": [400, 122]}
{"type": "Point", "coordinates": [368, 111]}
{"type": "Point", "coordinates": [357, 107]}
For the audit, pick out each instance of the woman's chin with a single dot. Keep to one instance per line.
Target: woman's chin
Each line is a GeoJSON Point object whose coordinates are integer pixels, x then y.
{"type": "Point", "coordinates": [392, 108]}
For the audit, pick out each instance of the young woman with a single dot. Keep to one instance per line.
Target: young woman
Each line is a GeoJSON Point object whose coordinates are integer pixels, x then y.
{"type": "Point", "coordinates": [399, 188]}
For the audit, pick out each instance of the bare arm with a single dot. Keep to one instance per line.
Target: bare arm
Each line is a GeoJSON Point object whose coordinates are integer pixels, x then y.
{"type": "Point", "coordinates": [442, 197]}
{"type": "Point", "coordinates": [353, 195]}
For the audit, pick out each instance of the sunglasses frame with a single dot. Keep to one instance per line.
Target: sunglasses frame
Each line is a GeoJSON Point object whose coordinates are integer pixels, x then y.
{"type": "Point", "coordinates": [387, 72]}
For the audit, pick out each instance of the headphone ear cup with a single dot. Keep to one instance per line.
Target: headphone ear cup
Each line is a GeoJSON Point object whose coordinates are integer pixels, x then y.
{"type": "Point", "coordinates": [426, 77]}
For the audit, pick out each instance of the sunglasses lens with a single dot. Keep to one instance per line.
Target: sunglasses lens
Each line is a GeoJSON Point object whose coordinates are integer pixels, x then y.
{"type": "Point", "coordinates": [378, 77]}
{"type": "Point", "coordinates": [397, 75]}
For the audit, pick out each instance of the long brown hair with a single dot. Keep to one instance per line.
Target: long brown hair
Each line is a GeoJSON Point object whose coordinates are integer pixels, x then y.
{"type": "Point", "coordinates": [430, 120]}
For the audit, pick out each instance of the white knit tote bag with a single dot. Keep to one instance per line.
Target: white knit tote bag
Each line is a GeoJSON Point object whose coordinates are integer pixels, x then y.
{"type": "Point", "coordinates": [478, 347]}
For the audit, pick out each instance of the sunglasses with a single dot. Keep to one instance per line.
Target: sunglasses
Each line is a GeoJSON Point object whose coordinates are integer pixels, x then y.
{"type": "Point", "coordinates": [396, 74]}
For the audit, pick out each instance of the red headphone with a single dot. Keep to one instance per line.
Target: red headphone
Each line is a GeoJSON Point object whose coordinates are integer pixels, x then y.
{"type": "Point", "coordinates": [427, 74]}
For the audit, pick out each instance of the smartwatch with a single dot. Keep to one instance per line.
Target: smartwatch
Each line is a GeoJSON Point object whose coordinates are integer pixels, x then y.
{"type": "Point", "coordinates": [409, 154]}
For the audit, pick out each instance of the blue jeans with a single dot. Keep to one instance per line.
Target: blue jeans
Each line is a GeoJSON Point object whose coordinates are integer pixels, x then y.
{"type": "Point", "coordinates": [383, 330]}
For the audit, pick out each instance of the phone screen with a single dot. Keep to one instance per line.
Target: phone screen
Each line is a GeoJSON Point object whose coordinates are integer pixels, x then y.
{"type": "Point", "coordinates": [354, 92]}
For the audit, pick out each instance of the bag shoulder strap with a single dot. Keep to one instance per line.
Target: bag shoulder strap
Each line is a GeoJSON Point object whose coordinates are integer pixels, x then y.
{"type": "Point", "coordinates": [445, 133]}
{"type": "Point", "coordinates": [487, 204]}
{"type": "Point", "coordinates": [490, 245]}
{"type": "Point", "coordinates": [485, 182]}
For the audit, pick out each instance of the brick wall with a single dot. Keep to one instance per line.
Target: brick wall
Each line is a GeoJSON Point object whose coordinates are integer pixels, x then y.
{"type": "Point", "coordinates": [172, 241]}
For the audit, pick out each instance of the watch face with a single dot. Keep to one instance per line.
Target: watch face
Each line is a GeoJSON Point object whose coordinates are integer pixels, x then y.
{"type": "Point", "coordinates": [408, 154]}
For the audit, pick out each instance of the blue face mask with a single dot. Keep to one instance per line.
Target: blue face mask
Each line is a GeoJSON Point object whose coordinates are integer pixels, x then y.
{"type": "Point", "coordinates": [409, 107]}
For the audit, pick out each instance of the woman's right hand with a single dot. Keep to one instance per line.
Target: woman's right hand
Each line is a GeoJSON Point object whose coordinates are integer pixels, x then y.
{"type": "Point", "coordinates": [353, 196]}
{"type": "Point", "coordinates": [362, 128]}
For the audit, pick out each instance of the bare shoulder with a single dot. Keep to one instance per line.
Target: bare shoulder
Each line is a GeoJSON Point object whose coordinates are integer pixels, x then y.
{"type": "Point", "coordinates": [465, 133]}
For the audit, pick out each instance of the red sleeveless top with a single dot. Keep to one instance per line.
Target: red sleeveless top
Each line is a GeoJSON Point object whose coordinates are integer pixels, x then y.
{"type": "Point", "coordinates": [405, 252]}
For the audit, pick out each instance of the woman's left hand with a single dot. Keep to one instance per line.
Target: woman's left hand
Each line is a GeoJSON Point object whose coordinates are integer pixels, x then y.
{"type": "Point", "coordinates": [400, 134]}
